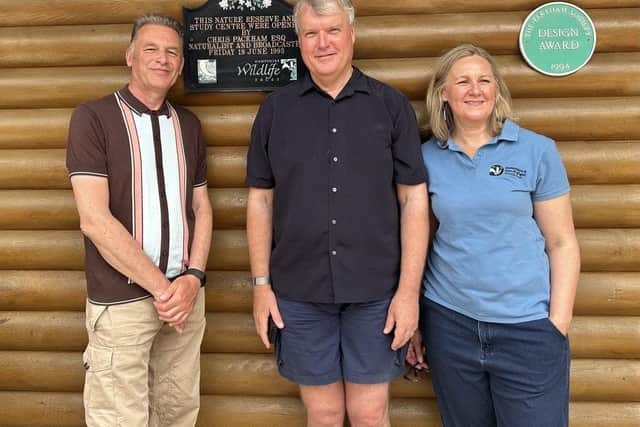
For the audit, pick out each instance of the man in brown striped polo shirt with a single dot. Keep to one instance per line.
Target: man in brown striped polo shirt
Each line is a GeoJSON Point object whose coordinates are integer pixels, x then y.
{"type": "Point", "coordinates": [138, 170]}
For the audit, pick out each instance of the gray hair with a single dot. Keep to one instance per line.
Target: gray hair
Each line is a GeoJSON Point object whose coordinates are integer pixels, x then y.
{"type": "Point", "coordinates": [324, 7]}
{"type": "Point", "coordinates": [440, 118]}
{"type": "Point", "coordinates": [154, 19]}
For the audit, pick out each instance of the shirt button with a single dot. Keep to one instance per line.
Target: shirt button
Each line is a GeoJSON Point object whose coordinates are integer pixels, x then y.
{"type": "Point", "coordinates": [334, 189]}
{"type": "Point", "coordinates": [334, 130]}
{"type": "Point", "coordinates": [334, 253]}
{"type": "Point", "coordinates": [335, 159]}
{"type": "Point", "coordinates": [334, 222]}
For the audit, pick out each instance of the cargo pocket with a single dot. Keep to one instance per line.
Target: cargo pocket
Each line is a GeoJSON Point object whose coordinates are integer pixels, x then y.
{"type": "Point", "coordinates": [98, 384]}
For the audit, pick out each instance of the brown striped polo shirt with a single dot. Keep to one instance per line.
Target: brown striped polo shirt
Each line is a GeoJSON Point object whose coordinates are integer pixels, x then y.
{"type": "Point", "coordinates": [152, 161]}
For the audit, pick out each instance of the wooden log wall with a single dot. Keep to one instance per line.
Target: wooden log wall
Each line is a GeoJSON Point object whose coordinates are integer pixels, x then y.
{"type": "Point", "coordinates": [54, 55]}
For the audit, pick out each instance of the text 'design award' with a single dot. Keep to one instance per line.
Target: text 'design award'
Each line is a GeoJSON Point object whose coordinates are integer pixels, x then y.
{"type": "Point", "coordinates": [240, 45]}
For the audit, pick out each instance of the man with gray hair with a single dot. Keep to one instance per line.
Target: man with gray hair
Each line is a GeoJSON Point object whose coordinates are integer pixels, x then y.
{"type": "Point", "coordinates": [138, 170]}
{"type": "Point", "coordinates": [337, 222]}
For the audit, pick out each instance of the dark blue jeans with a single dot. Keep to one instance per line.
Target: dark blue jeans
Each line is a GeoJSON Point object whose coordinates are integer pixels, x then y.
{"type": "Point", "coordinates": [494, 374]}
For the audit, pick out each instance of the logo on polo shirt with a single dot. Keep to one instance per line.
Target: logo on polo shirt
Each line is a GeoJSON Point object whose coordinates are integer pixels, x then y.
{"type": "Point", "coordinates": [497, 170]}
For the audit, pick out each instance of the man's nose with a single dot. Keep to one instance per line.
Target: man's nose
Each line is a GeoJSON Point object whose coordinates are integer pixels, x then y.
{"type": "Point", "coordinates": [323, 40]}
{"type": "Point", "coordinates": [162, 57]}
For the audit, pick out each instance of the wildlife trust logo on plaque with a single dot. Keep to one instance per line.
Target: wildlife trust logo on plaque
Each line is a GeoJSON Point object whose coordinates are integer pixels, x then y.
{"type": "Point", "coordinates": [557, 39]}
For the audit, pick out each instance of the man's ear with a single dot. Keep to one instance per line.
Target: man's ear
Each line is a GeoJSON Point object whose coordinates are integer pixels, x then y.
{"type": "Point", "coordinates": [128, 55]}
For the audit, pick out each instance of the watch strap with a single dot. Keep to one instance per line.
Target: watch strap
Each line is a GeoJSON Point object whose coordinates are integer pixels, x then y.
{"type": "Point", "coordinates": [198, 273]}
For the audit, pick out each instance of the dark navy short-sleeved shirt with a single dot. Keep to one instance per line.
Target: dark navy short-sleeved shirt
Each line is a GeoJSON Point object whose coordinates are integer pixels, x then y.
{"type": "Point", "coordinates": [333, 166]}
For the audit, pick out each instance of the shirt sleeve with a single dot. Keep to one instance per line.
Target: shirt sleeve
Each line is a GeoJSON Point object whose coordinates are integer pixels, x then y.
{"type": "Point", "coordinates": [408, 165]}
{"type": "Point", "coordinates": [201, 168]}
{"type": "Point", "coordinates": [551, 180]}
{"type": "Point", "coordinates": [259, 173]}
{"type": "Point", "coordinates": [86, 152]}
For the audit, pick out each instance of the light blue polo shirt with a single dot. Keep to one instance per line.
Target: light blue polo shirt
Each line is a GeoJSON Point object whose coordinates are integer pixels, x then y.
{"type": "Point", "coordinates": [488, 260]}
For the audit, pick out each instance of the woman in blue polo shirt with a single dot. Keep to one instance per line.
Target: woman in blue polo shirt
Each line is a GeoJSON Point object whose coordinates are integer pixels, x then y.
{"type": "Point", "coordinates": [503, 266]}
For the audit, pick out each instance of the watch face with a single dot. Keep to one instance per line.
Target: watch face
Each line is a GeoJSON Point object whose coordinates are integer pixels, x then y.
{"type": "Point", "coordinates": [260, 280]}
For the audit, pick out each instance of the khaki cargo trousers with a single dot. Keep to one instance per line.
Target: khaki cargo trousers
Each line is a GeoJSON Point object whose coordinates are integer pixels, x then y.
{"type": "Point", "coordinates": [140, 371]}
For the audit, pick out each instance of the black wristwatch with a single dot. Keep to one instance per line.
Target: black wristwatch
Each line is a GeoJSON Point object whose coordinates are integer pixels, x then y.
{"type": "Point", "coordinates": [198, 273]}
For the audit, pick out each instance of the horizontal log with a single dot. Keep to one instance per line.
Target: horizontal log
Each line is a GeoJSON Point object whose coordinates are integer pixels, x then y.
{"type": "Point", "coordinates": [594, 206]}
{"type": "Point", "coordinates": [56, 209]}
{"type": "Point", "coordinates": [581, 118]}
{"type": "Point", "coordinates": [599, 414]}
{"type": "Point", "coordinates": [606, 73]}
{"type": "Point", "coordinates": [68, 86]}
{"type": "Point", "coordinates": [226, 291]}
{"type": "Point", "coordinates": [564, 119]}
{"type": "Point", "coordinates": [395, 36]}
{"type": "Point", "coordinates": [42, 290]}
{"type": "Point", "coordinates": [242, 375]}
{"type": "Point", "coordinates": [25, 250]}
{"type": "Point", "coordinates": [17, 128]}
{"type": "Point", "coordinates": [586, 163]}
{"type": "Point", "coordinates": [609, 249]}
{"type": "Point", "coordinates": [601, 250]}
{"type": "Point", "coordinates": [226, 166]}
{"type": "Point", "coordinates": [591, 337]}
{"type": "Point", "coordinates": [77, 12]}
{"type": "Point", "coordinates": [33, 169]}
{"type": "Point", "coordinates": [288, 411]}
{"type": "Point", "coordinates": [65, 331]}
{"type": "Point", "coordinates": [410, 7]}
{"type": "Point", "coordinates": [599, 294]}
{"type": "Point", "coordinates": [83, 45]}
{"type": "Point", "coordinates": [55, 409]}
{"type": "Point", "coordinates": [41, 409]}
{"type": "Point", "coordinates": [38, 210]}
{"type": "Point", "coordinates": [613, 162]}
{"type": "Point", "coordinates": [608, 294]}
{"type": "Point", "coordinates": [612, 74]}
{"type": "Point", "coordinates": [606, 206]}
{"type": "Point", "coordinates": [431, 35]}
{"type": "Point", "coordinates": [571, 119]}
{"type": "Point", "coordinates": [605, 337]}
{"type": "Point", "coordinates": [222, 125]}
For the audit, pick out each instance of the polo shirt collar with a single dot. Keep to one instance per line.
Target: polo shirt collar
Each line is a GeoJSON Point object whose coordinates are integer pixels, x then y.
{"type": "Point", "coordinates": [137, 105]}
{"type": "Point", "coordinates": [357, 83]}
{"type": "Point", "coordinates": [508, 133]}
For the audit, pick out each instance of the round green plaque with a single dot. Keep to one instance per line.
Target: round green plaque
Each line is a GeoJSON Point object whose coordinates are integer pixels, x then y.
{"type": "Point", "coordinates": [557, 38]}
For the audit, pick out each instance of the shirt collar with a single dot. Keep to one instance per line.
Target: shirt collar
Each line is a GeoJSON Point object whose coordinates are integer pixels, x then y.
{"type": "Point", "coordinates": [357, 83]}
{"type": "Point", "coordinates": [509, 133]}
{"type": "Point", "coordinates": [137, 105]}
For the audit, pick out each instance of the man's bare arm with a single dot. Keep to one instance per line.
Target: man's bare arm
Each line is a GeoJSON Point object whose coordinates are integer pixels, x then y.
{"type": "Point", "coordinates": [113, 241]}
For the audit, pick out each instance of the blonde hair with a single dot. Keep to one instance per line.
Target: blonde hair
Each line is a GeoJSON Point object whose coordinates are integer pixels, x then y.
{"type": "Point", "coordinates": [440, 118]}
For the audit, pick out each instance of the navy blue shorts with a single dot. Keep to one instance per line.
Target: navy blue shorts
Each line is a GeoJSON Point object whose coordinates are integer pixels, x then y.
{"type": "Point", "coordinates": [495, 374]}
{"type": "Point", "coordinates": [325, 343]}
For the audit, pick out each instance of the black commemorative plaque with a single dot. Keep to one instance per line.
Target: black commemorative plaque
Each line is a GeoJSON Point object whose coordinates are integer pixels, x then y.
{"type": "Point", "coordinates": [240, 45]}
